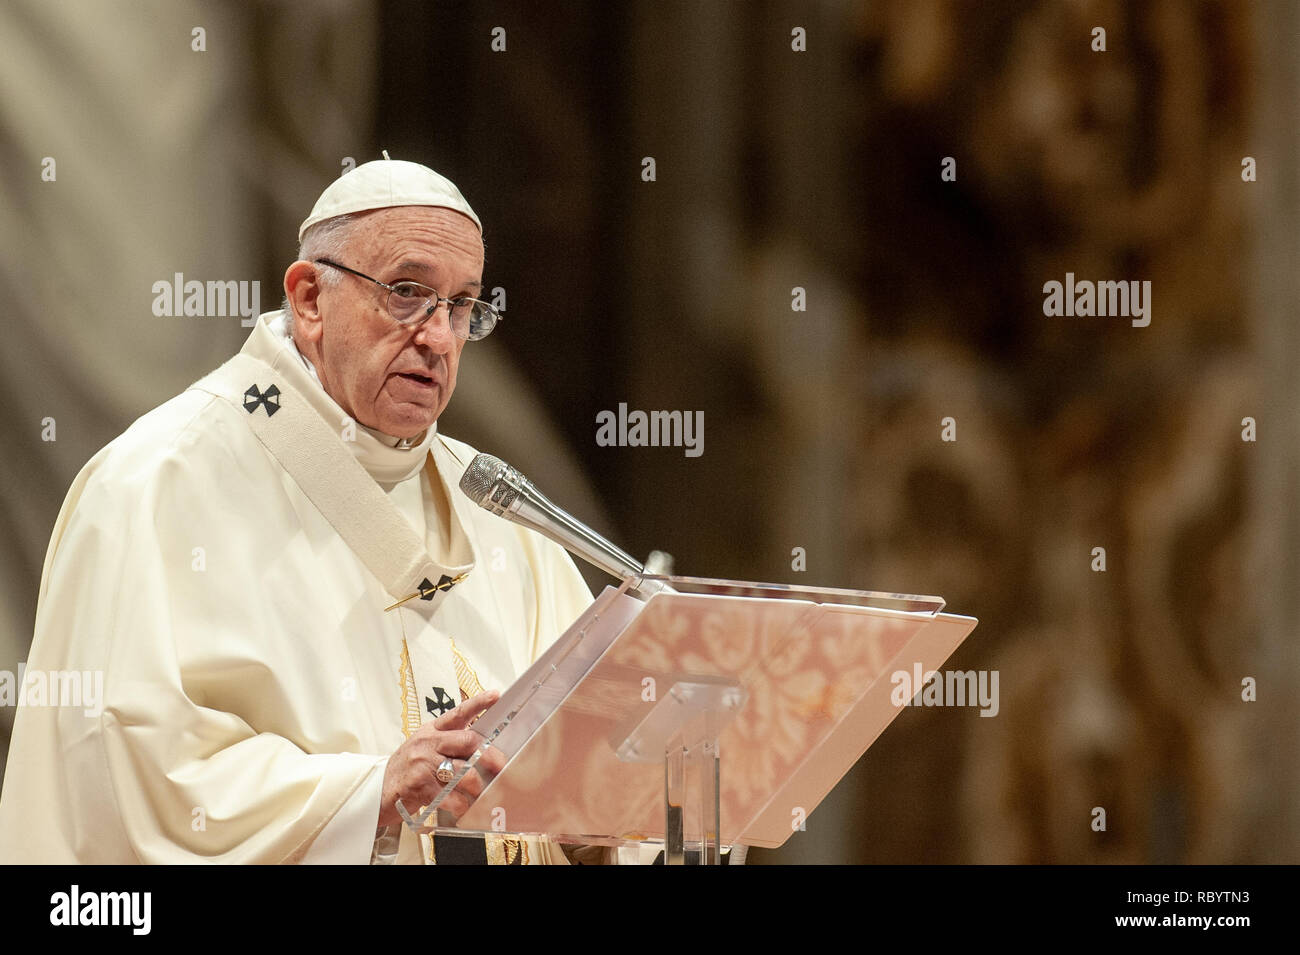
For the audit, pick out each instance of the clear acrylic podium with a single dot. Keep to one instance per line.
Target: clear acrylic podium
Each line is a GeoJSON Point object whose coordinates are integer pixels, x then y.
{"type": "Point", "coordinates": [696, 713]}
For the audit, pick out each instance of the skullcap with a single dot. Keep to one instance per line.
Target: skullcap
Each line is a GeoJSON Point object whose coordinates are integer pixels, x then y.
{"type": "Point", "coordinates": [383, 184]}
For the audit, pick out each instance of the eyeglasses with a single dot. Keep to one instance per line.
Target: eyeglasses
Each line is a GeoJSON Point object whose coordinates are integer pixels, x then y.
{"type": "Point", "coordinates": [410, 303]}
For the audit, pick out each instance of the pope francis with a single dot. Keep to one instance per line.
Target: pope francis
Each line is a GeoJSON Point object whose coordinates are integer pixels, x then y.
{"type": "Point", "coordinates": [227, 562]}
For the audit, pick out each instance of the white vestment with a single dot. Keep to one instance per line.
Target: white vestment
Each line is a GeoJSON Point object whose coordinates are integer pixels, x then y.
{"type": "Point", "coordinates": [253, 685]}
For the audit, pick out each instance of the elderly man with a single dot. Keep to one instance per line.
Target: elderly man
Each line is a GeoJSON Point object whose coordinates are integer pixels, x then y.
{"type": "Point", "coordinates": [230, 565]}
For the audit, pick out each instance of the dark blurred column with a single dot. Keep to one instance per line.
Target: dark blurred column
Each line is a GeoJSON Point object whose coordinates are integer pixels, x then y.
{"type": "Point", "coordinates": [747, 201]}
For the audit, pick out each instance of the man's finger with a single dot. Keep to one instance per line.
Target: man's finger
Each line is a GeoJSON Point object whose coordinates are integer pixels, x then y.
{"type": "Point", "coordinates": [460, 744]}
{"type": "Point", "coordinates": [491, 762]}
{"type": "Point", "coordinates": [471, 784]}
{"type": "Point", "coordinates": [464, 714]}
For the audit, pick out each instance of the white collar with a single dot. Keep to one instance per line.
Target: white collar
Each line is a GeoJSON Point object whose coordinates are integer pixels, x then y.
{"type": "Point", "coordinates": [383, 456]}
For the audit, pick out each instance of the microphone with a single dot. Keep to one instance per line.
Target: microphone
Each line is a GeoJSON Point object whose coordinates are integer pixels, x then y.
{"type": "Point", "coordinates": [494, 485]}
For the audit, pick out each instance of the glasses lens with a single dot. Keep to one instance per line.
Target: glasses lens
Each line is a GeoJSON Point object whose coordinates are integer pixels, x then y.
{"type": "Point", "coordinates": [469, 318]}
{"type": "Point", "coordinates": [478, 322]}
{"type": "Point", "coordinates": [407, 301]}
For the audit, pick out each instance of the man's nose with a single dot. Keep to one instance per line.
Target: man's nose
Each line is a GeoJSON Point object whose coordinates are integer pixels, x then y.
{"type": "Point", "coordinates": [435, 331]}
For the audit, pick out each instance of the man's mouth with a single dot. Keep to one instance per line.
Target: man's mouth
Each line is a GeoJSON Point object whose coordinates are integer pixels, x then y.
{"type": "Point", "coordinates": [415, 377]}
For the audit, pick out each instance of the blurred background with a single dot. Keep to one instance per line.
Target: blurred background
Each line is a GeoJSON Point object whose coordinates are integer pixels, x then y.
{"type": "Point", "coordinates": [775, 169]}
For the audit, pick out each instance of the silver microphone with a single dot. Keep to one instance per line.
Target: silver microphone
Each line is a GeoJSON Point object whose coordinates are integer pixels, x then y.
{"type": "Point", "coordinates": [492, 484]}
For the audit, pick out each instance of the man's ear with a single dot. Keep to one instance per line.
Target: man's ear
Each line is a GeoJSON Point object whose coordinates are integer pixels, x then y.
{"type": "Point", "coordinates": [302, 289]}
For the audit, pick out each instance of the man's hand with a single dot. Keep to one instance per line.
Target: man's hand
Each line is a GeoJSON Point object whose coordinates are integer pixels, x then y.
{"type": "Point", "coordinates": [409, 775]}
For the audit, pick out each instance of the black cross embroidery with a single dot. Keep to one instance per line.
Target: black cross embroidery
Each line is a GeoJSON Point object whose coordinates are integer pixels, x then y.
{"type": "Point", "coordinates": [428, 590]}
{"type": "Point", "coordinates": [440, 703]}
{"type": "Point", "coordinates": [269, 399]}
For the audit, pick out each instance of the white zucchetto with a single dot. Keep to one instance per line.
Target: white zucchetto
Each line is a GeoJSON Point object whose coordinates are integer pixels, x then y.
{"type": "Point", "coordinates": [384, 184]}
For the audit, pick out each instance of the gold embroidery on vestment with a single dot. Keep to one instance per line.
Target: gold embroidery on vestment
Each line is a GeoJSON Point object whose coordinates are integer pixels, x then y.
{"type": "Point", "coordinates": [501, 850]}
